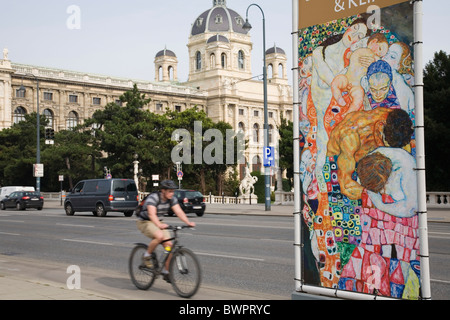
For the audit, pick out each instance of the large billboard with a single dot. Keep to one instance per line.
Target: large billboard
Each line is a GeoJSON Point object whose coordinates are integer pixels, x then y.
{"type": "Point", "coordinates": [360, 227]}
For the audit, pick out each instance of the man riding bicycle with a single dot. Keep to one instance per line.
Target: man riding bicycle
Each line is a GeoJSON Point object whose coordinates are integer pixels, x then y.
{"type": "Point", "coordinates": [156, 205]}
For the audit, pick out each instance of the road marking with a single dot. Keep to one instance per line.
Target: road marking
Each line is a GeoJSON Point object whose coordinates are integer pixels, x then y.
{"type": "Point", "coordinates": [244, 225]}
{"type": "Point", "coordinates": [74, 225]}
{"type": "Point", "coordinates": [227, 256]}
{"type": "Point", "coordinates": [18, 221]}
{"type": "Point", "coordinates": [10, 234]}
{"type": "Point", "coordinates": [87, 241]}
{"type": "Point", "coordinates": [441, 281]}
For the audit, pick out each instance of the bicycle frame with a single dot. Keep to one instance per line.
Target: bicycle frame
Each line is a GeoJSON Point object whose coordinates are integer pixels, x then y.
{"type": "Point", "coordinates": [175, 247]}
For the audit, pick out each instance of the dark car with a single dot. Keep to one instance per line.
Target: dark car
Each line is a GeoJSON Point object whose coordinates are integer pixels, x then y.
{"type": "Point", "coordinates": [101, 196]}
{"type": "Point", "coordinates": [191, 201]}
{"type": "Point", "coordinates": [22, 200]}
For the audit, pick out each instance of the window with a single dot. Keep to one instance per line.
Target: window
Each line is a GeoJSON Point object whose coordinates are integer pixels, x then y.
{"type": "Point", "coordinates": [270, 114]}
{"type": "Point", "coordinates": [48, 96]}
{"type": "Point", "coordinates": [198, 61]}
{"type": "Point", "coordinates": [223, 58]}
{"type": "Point", "coordinates": [255, 113]}
{"type": "Point", "coordinates": [20, 93]}
{"type": "Point", "coordinates": [213, 60]}
{"type": "Point", "coordinates": [241, 112]}
{"type": "Point", "coordinates": [19, 114]}
{"type": "Point", "coordinates": [178, 108]}
{"type": "Point", "coordinates": [255, 132]}
{"type": "Point", "coordinates": [241, 64]}
{"type": "Point", "coordinates": [241, 127]}
{"type": "Point", "coordinates": [48, 114]}
{"type": "Point", "coordinates": [270, 133]}
{"type": "Point", "coordinates": [73, 98]}
{"type": "Point", "coordinates": [72, 120]}
{"type": "Point", "coordinates": [90, 186]}
{"type": "Point", "coordinates": [96, 101]}
{"type": "Point", "coordinates": [219, 19]}
{"type": "Point", "coordinates": [159, 107]}
{"type": "Point", "coordinates": [78, 187]}
{"type": "Point", "coordinates": [119, 103]}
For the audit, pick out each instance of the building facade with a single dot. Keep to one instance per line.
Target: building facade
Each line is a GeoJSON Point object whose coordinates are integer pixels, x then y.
{"type": "Point", "coordinates": [220, 82]}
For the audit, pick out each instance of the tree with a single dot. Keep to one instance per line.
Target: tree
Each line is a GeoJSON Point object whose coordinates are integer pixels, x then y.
{"type": "Point", "coordinates": [18, 151]}
{"type": "Point", "coordinates": [437, 119]}
{"type": "Point", "coordinates": [286, 148]}
{"type": "Point", "coordinates": [123, 131]}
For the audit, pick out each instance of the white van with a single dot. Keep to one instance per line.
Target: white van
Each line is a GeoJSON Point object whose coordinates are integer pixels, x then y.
{"type": "Point", "coordinates": [6, 191]}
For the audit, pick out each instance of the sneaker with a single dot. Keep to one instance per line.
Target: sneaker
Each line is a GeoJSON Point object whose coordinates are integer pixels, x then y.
{"type": "Point", "coordinates": [148, 262]}
{"type": "Point", "coordinates": [166, 277]}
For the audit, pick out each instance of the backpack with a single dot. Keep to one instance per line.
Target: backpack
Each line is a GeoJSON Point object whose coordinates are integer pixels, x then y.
{"type": "Point", "coordinates": [139, 208]}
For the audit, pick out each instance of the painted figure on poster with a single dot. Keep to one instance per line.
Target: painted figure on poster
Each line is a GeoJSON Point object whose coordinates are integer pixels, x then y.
{"type": "Point", "coordinates": [357, 164]}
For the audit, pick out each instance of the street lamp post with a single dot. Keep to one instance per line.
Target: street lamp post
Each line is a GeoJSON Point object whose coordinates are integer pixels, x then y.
{"type": "Point", "coordinates": [38, 132]}
{"type": "Point", "coordinates": [247, 26]}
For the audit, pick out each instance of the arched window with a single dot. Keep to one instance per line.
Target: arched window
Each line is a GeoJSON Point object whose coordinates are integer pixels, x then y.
{"type": "Point", "coordinates": [280, 71]}
{"type": "Point", "coordinates": [255, 132]}
{"type": "Point", "coordinates": [256, 163]}
{"type": "Point", "coordinates": [270, 133]}
{"type": "Point", "coordinates": [160, 73]}
{"type": "Point", "coordinates": [213, 60]}
{"type": "Point", "coordinates": [72, 120]}
{"type": "Point", "coordinates": [270, 71]}
{"type": "Point", "coordinates": [224, 60]}
{"type": "Point", "coordinates": [241, 127]}
{"type": "Point", "coordinates": [241, 60]}
{"type": "Point", "coordinates": [19, 114]}
{"type": "Point", "coordinates": [198, 61]}
{"type": "Point", "coordinates": [49, 116]}
{"type": "Point", "coordinates": [171, 73]}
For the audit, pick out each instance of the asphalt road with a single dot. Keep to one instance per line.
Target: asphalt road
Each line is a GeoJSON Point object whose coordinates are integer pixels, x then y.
{"type": "Point", "coordinates": [237, 253]}
{"type": "Point", "coordinates": [248, 255]}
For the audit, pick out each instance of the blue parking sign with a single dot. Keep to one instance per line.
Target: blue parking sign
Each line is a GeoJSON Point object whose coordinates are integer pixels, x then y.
{"type": "Point", "coordinates": [269, 157]}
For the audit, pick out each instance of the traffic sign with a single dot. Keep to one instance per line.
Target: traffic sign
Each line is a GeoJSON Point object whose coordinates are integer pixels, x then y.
{"type": "Point", "coordinates": [269, 157]}
{"type": "Point", "coordinates": [180, 175]}
{"type": "Point", "coordinates": [38, 170]}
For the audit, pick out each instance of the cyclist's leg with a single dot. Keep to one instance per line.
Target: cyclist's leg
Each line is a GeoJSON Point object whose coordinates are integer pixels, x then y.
{"type": "Point", "coordinates": [150, 230]}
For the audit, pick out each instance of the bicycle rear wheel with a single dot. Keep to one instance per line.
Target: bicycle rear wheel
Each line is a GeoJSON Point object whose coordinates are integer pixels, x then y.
{"type": "Point", "coordinates": [141, 276]}
{"type": "Point", "coordinates": [185, 273]}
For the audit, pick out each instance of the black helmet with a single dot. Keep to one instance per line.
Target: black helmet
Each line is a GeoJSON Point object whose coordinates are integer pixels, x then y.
{"type": "Point", "coordinates": [168, 184]}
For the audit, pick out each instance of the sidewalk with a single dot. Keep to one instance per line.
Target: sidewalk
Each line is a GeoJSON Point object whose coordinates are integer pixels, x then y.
{"type": "Point", "coordinates": [259, 209]}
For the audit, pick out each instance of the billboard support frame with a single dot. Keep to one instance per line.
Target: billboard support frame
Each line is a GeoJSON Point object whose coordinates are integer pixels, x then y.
{"type": "Point", "coordinates": [300, 286]}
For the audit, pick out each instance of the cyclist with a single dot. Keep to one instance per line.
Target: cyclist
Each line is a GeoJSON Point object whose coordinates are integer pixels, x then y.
{"type": "Point", "coordinates": [156, 205]}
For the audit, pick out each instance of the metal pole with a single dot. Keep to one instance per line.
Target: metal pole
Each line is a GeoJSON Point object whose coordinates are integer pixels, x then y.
{"type": "Point", "coordinates": [266, 125]}
{"type": "Point", "coordinates": [38, 137]}
{"type": "Point", "coordinates": [420, 152]}
{"type": "Point", "coordinates": [296, 141]}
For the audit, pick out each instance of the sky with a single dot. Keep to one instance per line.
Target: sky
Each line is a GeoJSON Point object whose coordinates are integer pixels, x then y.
{"type": "Point", "coordinates": [121, 38]}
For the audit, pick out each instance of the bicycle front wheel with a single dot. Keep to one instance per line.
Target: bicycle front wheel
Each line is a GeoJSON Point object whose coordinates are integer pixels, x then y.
{"type": "Point", "coordinates": [141, 276]}
{"type": "Point", "coordinates": [185, 273]}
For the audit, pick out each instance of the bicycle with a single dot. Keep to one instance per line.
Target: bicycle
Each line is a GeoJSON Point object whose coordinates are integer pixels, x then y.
{"type": "Point", "coordinates": [184, 268]}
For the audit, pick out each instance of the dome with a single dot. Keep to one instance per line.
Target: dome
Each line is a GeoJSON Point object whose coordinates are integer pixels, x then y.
{"type": "Point", "coordinates": [275, 49]}
{"type": "Point", "coordinates": [218, 19]}
{"type": "Point", "coordinates": [218, 38]}
{"type": "Point", "coordinates": [165, 52]}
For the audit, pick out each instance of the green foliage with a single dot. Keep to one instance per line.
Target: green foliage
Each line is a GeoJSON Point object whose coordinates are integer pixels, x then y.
{"type": "Point", "coordinates": [437, 119]}
{"type": "Point", "coordinates": [286, 146]}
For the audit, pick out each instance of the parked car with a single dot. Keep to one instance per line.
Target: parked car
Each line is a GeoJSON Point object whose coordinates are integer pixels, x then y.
{"type": "Point", "coordinates": [101, 196]}
{"type": "Point", "coordinates": [22, 200]}
{"type": "Point", "coordinates": [191, 201]}
{"type": "Point", "coordinates": [6, 191]}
